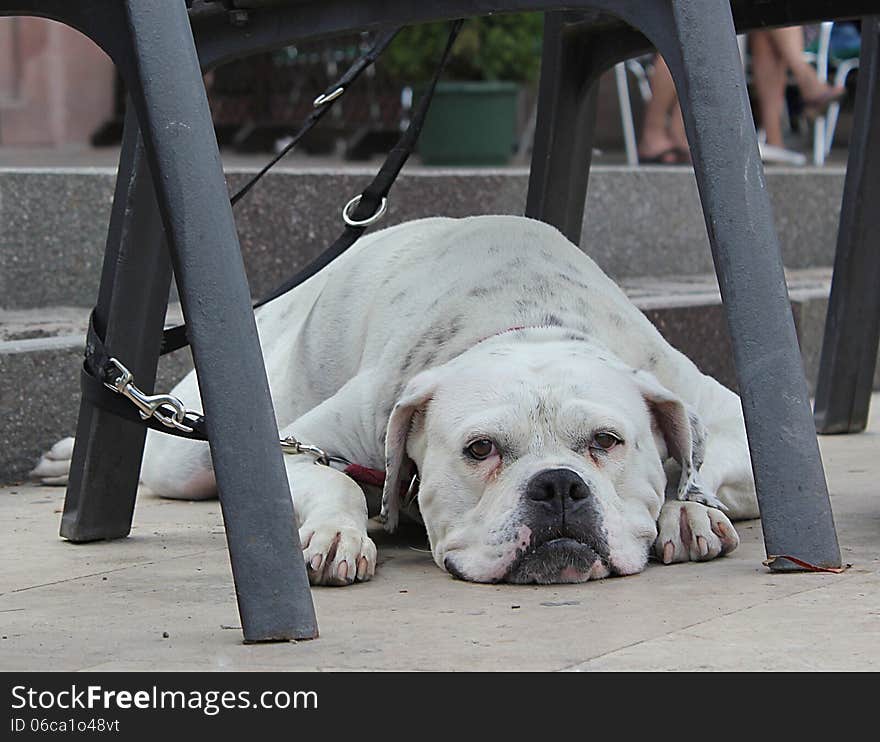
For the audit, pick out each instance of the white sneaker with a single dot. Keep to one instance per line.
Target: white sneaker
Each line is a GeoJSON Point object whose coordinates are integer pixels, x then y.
{"type": "Point", "coordinates": [770, 153]}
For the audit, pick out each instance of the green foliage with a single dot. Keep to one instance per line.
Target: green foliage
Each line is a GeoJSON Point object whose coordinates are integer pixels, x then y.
{"type": "Point", "coordinates": [498, 47]}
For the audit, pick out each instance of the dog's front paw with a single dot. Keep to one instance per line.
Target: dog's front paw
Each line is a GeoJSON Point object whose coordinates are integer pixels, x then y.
{"type": "Point", "coordinates": [54, 465]}
{"type": "Point", "coordinates": [337, 556]}
{"type": "Point", "coordinates": [689, 531]}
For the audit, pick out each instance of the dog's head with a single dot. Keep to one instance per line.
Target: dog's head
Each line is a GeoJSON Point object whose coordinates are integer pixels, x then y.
{"type": "Point", "coordinates": [538, 461]}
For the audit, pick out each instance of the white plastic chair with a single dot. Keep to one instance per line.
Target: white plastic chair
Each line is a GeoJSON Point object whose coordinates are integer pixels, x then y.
{"type": "Point", "coordinates": [637, 69]}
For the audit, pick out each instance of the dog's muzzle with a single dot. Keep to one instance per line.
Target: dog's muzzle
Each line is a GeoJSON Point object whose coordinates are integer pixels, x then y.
{"type": "Point", "coordinates": [568, 543]}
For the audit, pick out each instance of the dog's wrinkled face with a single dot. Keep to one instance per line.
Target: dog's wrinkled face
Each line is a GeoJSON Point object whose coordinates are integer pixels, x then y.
{"type": "Point", "coordinates": [539, 462]}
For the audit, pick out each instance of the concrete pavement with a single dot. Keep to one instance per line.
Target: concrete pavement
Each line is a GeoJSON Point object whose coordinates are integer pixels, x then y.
{"type": "Point", "coordinates": [163, 600]}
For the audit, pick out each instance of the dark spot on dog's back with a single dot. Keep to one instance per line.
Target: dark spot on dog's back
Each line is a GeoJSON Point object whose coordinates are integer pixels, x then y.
{"type": "Point", "coordinates": [573, 281]}
{"type": "Point", "coordinates": [443, 331]}
{"type": "Point", "coordinates": [408, 361]}
{"type": "Point", "coordinates": [524, 305]}
{"type": "Point", "coordinates": [484, 291]}
{"type": "Point", "coordinates": [429, 358]}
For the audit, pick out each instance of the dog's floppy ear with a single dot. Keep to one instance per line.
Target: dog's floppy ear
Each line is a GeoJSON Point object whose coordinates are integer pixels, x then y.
{"type": "Point", "coordinates": [684, 434]}
{"type": "Point", "coordinates": [399, 468]}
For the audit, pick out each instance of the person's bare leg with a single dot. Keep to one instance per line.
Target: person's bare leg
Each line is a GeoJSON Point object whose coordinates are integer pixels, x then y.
{"type": "Point", "coordinates": [768, 77]}
{"type": "Point", "coordinates": [678, 135]}
{"type": "Point", "coordinates": [655, 138]}
{"type": "Point", "coordinates": [789, 46]}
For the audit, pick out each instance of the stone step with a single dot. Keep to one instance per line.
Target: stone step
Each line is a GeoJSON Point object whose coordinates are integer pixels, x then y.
{"type": "Point", "coordinates": [689, 314]}
{"type": "Point", "coordinates": [639, 221]}
{"type": "Point", "coordinates": [41, 353]}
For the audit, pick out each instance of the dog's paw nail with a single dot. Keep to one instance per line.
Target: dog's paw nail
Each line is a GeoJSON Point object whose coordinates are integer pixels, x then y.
{"type": "Point", "coordinates": [668, 552]}
{"type": "Point", "coordinates": [727, 535]}
{"type": "Point", "coordinates": [703, 546]}
{"type": "Point", "coordinates": [342, 571]}
{"type": "Point", "coordinates": [362, 568]}
{"type": "Point", "coordinates": [315, 564]}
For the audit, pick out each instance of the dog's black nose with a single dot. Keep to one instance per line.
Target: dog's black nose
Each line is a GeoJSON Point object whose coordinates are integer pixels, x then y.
{"type": "Point", "coordinates": [557, 487]}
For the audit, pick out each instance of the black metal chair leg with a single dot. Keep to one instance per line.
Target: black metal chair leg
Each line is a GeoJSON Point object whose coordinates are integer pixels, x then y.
{"type": "Point", "coordinates": [100, 498]}
{"type": "Point", "coordinates": [564, 128]}
{"type": "Point", "coordinates": [574, 56]}
{"type": "Point", "coordinates": [852, 326]}
{"type": "Point", "coordinates": [702, 54]}
{"type": "Point", "coordinates": [164, 82]}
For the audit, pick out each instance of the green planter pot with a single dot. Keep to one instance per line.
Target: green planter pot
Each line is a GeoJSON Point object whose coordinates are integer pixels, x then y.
{"type": "Point", "coordinates": [470, 123]}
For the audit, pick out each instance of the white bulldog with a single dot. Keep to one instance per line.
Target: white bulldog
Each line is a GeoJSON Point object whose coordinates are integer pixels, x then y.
{"type": "Point", "coordinates": [557, 437]}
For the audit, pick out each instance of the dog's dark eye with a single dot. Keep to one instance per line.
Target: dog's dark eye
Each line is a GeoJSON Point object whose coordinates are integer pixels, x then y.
{"type": "Point", "coordinates": [606, 441]}
{"type": "Point", "coordinates": [480, 449]}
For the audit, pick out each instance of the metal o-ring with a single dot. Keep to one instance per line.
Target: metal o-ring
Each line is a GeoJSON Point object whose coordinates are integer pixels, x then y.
{"type": "Point", "coordinates": [380, 212]}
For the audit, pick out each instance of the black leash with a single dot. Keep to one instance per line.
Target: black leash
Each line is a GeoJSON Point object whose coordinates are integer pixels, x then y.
{"type": "Point", "coordinates": [359, 213]}
{"type": "Point", "coordinates": [103, 373]}
{"type": "Point", "coordinates": [322, 104]}
{"type": "Point", "coordinates": [174, 338]}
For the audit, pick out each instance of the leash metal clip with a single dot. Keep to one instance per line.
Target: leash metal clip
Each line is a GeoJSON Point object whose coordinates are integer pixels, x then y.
{"type": "Point", "coordinates": [168, 410]}
{"type": "Point", "coordinates": [292, 446]}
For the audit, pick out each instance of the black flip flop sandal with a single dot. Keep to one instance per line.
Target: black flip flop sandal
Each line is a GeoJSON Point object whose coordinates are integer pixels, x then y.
{"type": "Point", "coordinates": [669, 156]}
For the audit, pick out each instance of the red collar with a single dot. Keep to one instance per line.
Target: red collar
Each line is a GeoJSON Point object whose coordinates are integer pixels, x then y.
{"type": "Point", "coordinates": [365, 475]}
